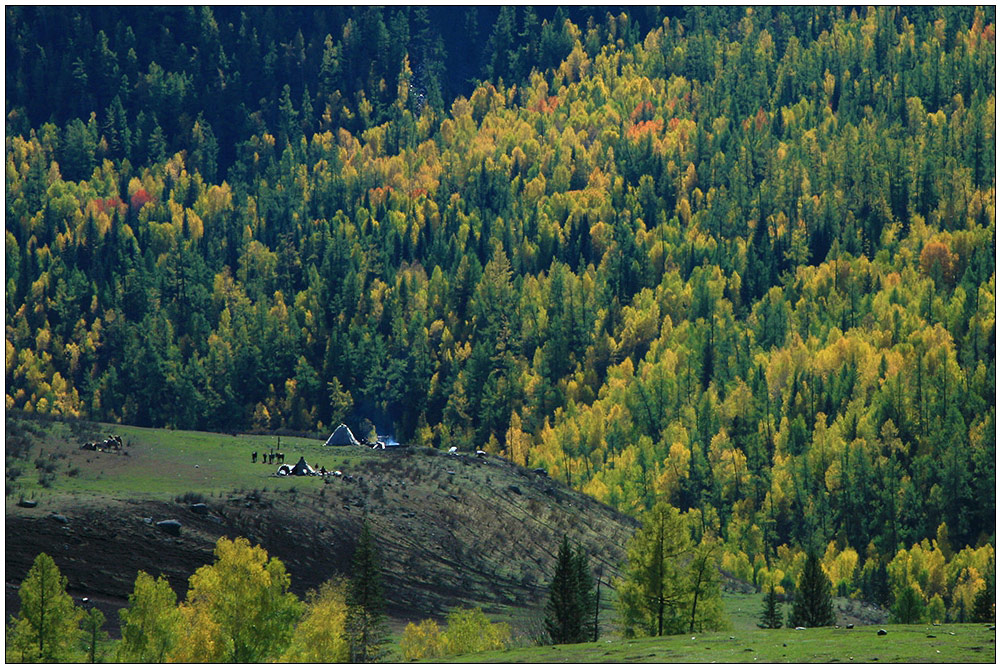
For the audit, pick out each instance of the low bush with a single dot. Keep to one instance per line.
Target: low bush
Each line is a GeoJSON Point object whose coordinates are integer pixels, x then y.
{"type": "Point", "coordinates": [467, 631]}
{"type": "Point", "coordinates": [46, 478]}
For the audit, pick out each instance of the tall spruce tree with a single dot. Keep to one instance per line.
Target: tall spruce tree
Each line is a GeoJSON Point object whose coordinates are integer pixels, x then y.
{"type": "Point", "coordinates": [587, 595]}
{"type": "Point", "coordinates": [367, 618]}
{"type": "Point", "coordinates": [570, 599]}
{"type": "Point", "coordinates": [984, 601]}
{"type": "Point", "coordinates": [772, 617]}
{"type": "Point", "coordinates": [812, 604]}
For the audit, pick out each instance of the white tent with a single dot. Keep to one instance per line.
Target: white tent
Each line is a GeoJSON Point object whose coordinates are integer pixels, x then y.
{"type": "Point", "coordinates": [342, 436]}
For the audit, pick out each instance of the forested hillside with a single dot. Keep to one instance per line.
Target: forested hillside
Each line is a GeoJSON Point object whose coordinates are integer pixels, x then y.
{"type": "Point", "coordinates": [741, 260]}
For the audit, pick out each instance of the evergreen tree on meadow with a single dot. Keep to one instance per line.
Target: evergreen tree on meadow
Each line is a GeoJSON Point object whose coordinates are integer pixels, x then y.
{"type": "Point", "coordinates": [908, 605]}
{"type": "Point", "coordinates": [772, 616]}
{"type": "Point", "coordinates": [563, 610]}
{"type": "Point", "coordinates": [588, 595]}
{"type": "Point", "coordinates": [367, 618]}
{"type": "Point", "coordinates": [984, 601]}
{"type": "Point", "coordinates": [571, 599]}
{"type": "Point", "coordinates": [812, 603]}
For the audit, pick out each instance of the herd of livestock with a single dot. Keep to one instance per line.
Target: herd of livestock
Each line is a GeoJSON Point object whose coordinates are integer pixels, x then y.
{"type": "Point", "coordinates": [113, 444]}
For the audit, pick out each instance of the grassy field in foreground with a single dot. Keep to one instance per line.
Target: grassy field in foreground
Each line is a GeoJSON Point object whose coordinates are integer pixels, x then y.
{"type": "Point", "coordinates": [902, 644]}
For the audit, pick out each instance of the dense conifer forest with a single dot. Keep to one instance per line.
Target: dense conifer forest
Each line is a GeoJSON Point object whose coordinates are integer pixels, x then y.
{"type": "Point", "coordinates": [738, 260]}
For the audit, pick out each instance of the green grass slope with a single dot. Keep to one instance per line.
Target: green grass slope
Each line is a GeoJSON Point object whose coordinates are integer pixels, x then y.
{"type": "Point", "coordinates": [902, 644]}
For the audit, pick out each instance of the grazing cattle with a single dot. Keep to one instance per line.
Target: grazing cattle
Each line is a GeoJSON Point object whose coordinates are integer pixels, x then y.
{"type": "Point", "coordinates": [281, 457]}
{"type": "Point", "coordinates": [271, 458]}
{"type": "Point", "coordinates": [481, 454]}
{"type": "Point", "coordinates": [452, 450]}
{"type": "Point", "coordinates": [89, 446]}
{"type": "Point", "coordinates": [254, 457]}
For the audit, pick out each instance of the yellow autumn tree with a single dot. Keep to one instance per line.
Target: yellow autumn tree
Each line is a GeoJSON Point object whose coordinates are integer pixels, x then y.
{"type": "Point", "coordinates": [422, 641]}
{"type": "Point", "coordinates": [321, 634]}
{"type": "Point", "coordinates": [238, 609]}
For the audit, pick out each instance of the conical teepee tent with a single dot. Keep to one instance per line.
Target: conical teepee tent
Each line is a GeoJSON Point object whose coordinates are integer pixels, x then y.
{"type": "Point", "coordinates": [342, 436]}
{"type": "Point", "coordinates": [302, 469]}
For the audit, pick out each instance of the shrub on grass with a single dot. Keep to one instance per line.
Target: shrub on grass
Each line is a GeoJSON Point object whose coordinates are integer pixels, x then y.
{"type": "Point", "coordinates": [466, 631]}
{"type": "Point", "coordinates": [421, 641]}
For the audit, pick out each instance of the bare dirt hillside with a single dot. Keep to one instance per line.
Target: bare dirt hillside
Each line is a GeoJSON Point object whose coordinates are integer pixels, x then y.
{"type": "Point", "coordinates": [452, 530]}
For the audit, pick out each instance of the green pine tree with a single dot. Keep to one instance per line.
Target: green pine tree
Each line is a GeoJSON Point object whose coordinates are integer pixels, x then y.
{"type": "Point", "coordinates": [564, 611]}
{"type": "Point", "coordinates": [572, 598]}
{"type": "Point", "coordinates": [367, 617]}
{"type": "Point", "coordinates": [984, 601]}
{"type": "Point", "coordinates": [587, 595]}
{"type": "Point", "coordinates": [772, 617]}
{"type": "Point", "coordinates": [812, 603]}
{"type": "Point", "coordinates": [908, 605]}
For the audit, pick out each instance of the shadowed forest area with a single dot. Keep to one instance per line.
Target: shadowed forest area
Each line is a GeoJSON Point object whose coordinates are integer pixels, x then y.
{"type": "Point", "coordinates": [739, 260]}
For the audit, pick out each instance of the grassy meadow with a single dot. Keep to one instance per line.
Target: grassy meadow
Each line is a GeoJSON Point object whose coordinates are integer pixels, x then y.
{"type": "Point", "coordinates": [162, 464]}
{"type": "Point", "coordinates": [903, 644]}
